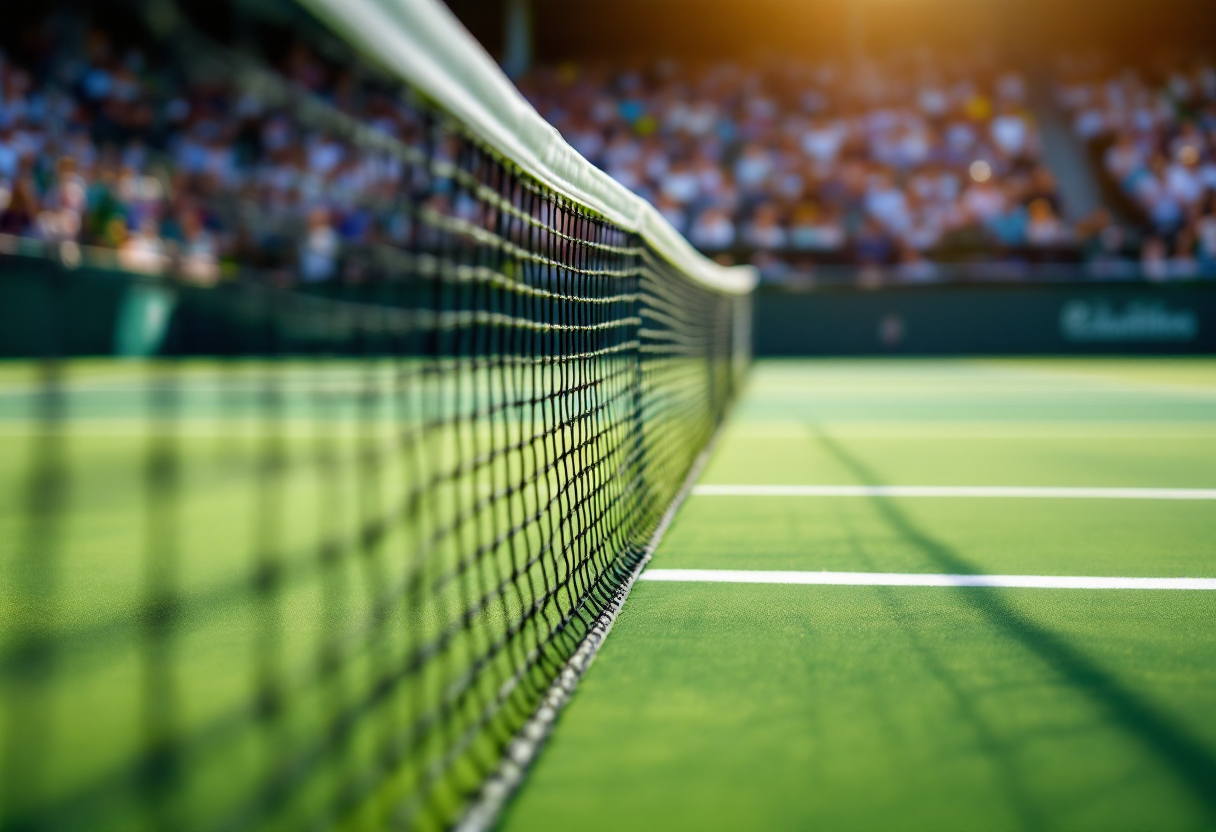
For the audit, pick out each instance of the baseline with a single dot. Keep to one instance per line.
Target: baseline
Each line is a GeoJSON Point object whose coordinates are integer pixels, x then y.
{"type": "Point", "coordinates": [745, 576]}
{"type": "Point", "coordinates": [966, 491]}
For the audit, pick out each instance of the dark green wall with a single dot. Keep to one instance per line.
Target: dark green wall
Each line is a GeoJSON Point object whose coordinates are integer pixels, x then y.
{"type": "Point", "coordinates": [1043, 319]}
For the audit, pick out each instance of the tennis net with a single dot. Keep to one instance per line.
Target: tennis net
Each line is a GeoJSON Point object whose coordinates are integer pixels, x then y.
{"type": "Point", "coordinates": [331, 451]}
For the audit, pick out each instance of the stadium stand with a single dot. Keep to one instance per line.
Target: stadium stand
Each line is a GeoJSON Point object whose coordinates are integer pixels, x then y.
{"type": "Point", "coordinates": [1151, 131]}
{"type": "Point", "coordinates": [107, 144]}
{"type": "Point", "coordinates": [909, 160]}
{"type": "Point", "coordinates": [915, 165]}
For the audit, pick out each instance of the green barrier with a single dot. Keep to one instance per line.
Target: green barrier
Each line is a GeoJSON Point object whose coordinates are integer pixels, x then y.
{"type": "Point", "coordinates": [48, 310]}
{"type": "Point", "coordinates": [994, 319]}
{"type": "Point", "coordinates": [51, 309]}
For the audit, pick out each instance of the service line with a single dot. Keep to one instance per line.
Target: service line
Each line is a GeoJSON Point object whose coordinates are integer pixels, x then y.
{"type": "Point", "coordinates": [744, 576]}
{"type": "Point", "coordinates": [996, 491]}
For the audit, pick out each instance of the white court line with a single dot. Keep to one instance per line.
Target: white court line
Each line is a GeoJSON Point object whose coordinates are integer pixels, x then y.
{"type": "Point", "coordinates": [1015, 491]}
{"type": "Point", "coordinates": [743, 576]}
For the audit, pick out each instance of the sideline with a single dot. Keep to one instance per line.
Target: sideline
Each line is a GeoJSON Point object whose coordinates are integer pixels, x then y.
{"type": "Point", "coordinates": [743, 576]}
{"type": "Point", "coordinates": [991, 491]}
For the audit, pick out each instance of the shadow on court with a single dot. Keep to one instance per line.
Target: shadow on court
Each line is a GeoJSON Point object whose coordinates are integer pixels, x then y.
{"type": "Point", "coordinates": [1192, 763]}
{"type": "Point", "coordinates": [997, 750]}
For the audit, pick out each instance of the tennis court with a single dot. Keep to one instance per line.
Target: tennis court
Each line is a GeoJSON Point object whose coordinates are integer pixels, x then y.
{"type": "Point", "coordinates": [746, 705]}
{"type": "Point", "coordinates": [350, 407]}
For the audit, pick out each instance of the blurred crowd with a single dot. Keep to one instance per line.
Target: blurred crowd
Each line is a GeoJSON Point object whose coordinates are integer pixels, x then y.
{"type": "Point", "coordinates": [101, 145]}
{"type": "Point", "coordinates": [1153, 133]}
{"type": "Point", "coordinates": [895, 162]}
{"type": "Point", "coordinates": [905, 164]}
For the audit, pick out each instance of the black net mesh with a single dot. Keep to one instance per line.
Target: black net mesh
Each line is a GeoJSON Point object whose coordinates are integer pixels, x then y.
{"type": "Point", "coordinates": [300, 526]}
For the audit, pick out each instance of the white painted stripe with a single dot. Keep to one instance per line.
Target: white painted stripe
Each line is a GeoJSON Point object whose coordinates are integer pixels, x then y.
{"type": "Point", "coordinates": [940, 430]}
{"type": "Point", "coordinates": [1016, 491]}
{"type": "Point", "coordinates": [743, 576]}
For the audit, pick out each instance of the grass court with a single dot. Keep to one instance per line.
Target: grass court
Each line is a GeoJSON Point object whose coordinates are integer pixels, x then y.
{"type": "Point", "coordinates": [762, 706]}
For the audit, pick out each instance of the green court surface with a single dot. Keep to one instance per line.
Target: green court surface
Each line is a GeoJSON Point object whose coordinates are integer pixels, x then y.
{"type": "Point", "coordinates": [755, 706]}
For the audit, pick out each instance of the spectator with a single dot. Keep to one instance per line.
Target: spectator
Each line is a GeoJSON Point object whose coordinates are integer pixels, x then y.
{"type": "Point", "coordinates": [1106, 248]}
{"type": "Point", "coordinates": [198, 250]}
{"type": "Point", "coordinates": [765, 231]}
{"type": "Point", "coordinates": [1205, 229]}
{"type": "Point", "coordinates": [672, 211]}
{"type": "Point", "coordinates": [813, 230]}
{"type": "Point", "coordinates": [319, 249]}
{"type": "Point", "coordinates": [913, 267]}
{"type": "Point", "coordinates": [20, 209]}
{"type": "Point", "coordinates": [984, 200]}
{"type": "Point", "coordinates": [712, 230]}
{"type": "Point", "coordinates": [679, 183]}
{"type": "Point", "coordinates": [873, 247]}
{"type": "Point", "coordinates": [888, 204]}
{"type": "Point", "coordinates": [1183, 264]}
{"type": "Point", "coordinates": [1154, 262]}
{"type": "Point", "coordinates": [1011, 133]}
{"type": "Point", "coordinates": [143, 252]}
{"type": "Point", "coordinates": [1043, 228]}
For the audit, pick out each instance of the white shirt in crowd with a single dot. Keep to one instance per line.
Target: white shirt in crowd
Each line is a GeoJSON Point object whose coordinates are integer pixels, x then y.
{"type": "Point", "coordinates": [712, 230]}
{"type": "Point", "coordinates": [1011, 133]}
